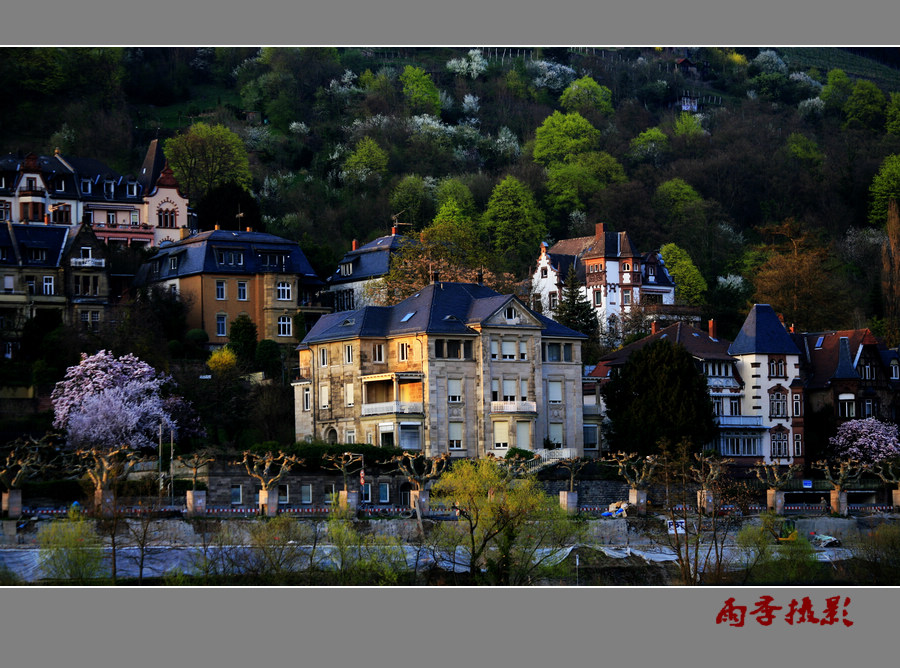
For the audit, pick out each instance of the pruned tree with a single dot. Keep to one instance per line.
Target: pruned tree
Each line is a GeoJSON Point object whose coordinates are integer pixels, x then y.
{"type": "Point", "coordinates": [420, 471]}
{"type": "Point", "coordinates": [197, 460]}
{"type": "Point", "coordinates": [573, 465]}
{"type": "Point", "coordinates": [637, 471]}
{"type": "Point", "coordinates": [774, 475]}
{"type": "Point", "coordinates": [888, 471]}
{"type": "Point", "coordinates": [26, 457]}
{"type": "Point", "coordinates": [847, 471]}
{"type": "Point", "coordinates": [345, 463]}
{"type": "Point", "coordinates": [268, 468]}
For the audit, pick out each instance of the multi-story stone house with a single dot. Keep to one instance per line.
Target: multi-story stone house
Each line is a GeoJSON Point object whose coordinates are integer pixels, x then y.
{"type": "Point", "coordinates": [50, 270]}
{"type": "Point", "coordinates": [614, 277]}
{"type": "Point", "coordinates": [850, 374]}
{"type": "Point", "coordinates": [457, 368]}
{"type": "Point", "coordinates": [65, 190]}
{"type": "Point", "coordinates": [224, 274]}
{"type": "Point", "coordinates": [359, 268]}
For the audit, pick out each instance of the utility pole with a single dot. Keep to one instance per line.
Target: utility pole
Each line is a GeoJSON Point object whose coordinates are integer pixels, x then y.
{"type": "Point", "coordinates": [172, 465]}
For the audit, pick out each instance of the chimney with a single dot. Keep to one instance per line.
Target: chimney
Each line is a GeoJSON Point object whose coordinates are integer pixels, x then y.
{"type": "Point", "coordinates": [479, 277]}
{"type": "Point", "coordinates": [653, 327]}
{"type": "Point", "coordinates": [249, 229]}
{"type": "Point", "coordinates": [46, 219]}
{"type": "Point", "coordinates": [434, 276]}
{"type": "Point", "coordinates": [712, 329]}
{"type": "Point", "coordinates": [217, 226]}
{"type": "Point", "coordinates": [353, 247]}
{"type": "Point", "coordinates": [394, 231]}
{"type": "Point", "coordinates": [599, 229]}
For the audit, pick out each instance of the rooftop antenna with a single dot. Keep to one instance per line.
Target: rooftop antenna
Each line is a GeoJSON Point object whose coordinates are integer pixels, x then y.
{"type": "Point", "coordinates": [238, 217]}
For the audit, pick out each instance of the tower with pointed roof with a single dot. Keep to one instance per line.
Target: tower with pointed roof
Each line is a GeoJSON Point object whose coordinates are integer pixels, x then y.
{"type": "Point", "coordinates": [769, 362]}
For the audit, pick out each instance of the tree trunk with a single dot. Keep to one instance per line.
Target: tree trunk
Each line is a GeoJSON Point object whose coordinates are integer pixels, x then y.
{"type": "Point", "coordinates": [348, 500]}
{"type": "Point", "coordinates": [196, 503]}
{"type": "Point", "coordinates": [839, 502]}
{"type": "Point", "coordinates": [569, 501]}
{"type": "Point", "coordinates": [638, 499]}
{"type": "Point", "coordinates": [895, 496]}
{"type": "Point", "coordinates": [268, 502]}
{"type": "Point", "coordinates": [775, 501]}
{"type": "Point", "coordinates": [12, 503]}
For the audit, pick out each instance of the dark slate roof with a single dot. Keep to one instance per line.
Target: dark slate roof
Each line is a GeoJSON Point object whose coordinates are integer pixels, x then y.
{"type": "Point", "coordinates": [763, 334]}
{"type": "Point", "coordinates": [154, 162]}
{"type": "Point", "coordinates": [196, 255]}
{"type": "Point", "coordinates": [71, 170]}
{"type": "Point", "coordinates": [662, 277]}
{"type": "Point", "coordinates": [845, 368]}
{"type": "Point", "coordinates": [697, 342]}
{"type": "Point", "coordinates": [822, 352]}
{"type": "Point", "coordinates": [371, 260]}
{"type": "Point", "coordinates": [561, 264]}
{"type": "Point", "coordinates": [50, 238]}
{"type": "Point", "coordinates": [439, 308]}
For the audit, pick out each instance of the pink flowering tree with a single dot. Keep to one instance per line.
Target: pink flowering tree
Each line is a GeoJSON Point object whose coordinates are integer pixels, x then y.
{"type": "Point", "coordinates": [868, 441]}
{"type": "Point", "coordinates": [110, 408]}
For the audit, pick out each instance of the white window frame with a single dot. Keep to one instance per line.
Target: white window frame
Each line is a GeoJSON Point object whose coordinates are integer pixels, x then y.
{"type": "Point", "coordinates": [285, 325]}
{"type": "Point", "coordinates": [454, 390]}
{"type": "Point", "coordinates": [378, 353]}
{"type": "Point", "coordinates": [403, 352]}
{"type": "Point", "coordinates": [500, 429]}
{"type": "Point", "coordinates": [307, 398]}
{"type": "Point", "coordinates": [348, 394]}
{"type": "Point", "coordinates": [49, 285]}
{"type": "Point", "coordinates": [283, 291]}
{"type": "Point", "coordinates": [508, 349]}
{"type": "Point", "coordinates": [596, 436]}
{"type": "Point", "coordinates": [242, 291]}
{"type": "Point", "coordinates": [240, 495]}
{"type": "Point", "coordinates": [221, 294]}
{"type": "Point", "coordinates": [324, 396]}
{"type": "Point", "coordinates": [556, 429]}
{"type": "Point", "coordinates": [323, 356]}
{"type": "Point", "coordinates": [554, 391]}
{"type": "Point", "coordinates": [384, 492]}
{"type": "Point", "coordinates": [348, 353]}
{"type": "Point", "coordinates": [365, 492]}
{"type": "Point", "coordinates": [221, 324]}
{"type": "Point", "coordinates": [455, 431]}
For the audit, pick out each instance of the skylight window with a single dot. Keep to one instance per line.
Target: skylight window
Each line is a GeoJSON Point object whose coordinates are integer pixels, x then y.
{"type": "Point", "coordinates": [407, 316]}
{"type": "Point", "coordinates": [819, 342]}
{"type": "Point", "coordinates": [348, 322]}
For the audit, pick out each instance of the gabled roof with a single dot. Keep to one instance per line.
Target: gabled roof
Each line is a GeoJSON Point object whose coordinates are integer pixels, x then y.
{"type": "Point", "coordinates": [763, 334]}
{"type": "Point", "coordinates": [697, 342]}
{"type": "Point", "coordinates": [826, 359]}
{"type": "Point", "coordinates": [21, 238]}
{"type": "Point", "coordinates": [440, 308]}
{"type": "Point", "coordinates": [576, 247]}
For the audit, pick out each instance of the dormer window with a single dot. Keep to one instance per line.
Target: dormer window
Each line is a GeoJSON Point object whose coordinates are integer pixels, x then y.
{"type": "Point", "coordinates": [132, 189]}
{"type": "Point", "coordinates": [109, 188]}
{"type": "Point", "coordinates": [31, 184]}
{"type": "Point", "coordinates": [346, 269]}
{"type": "Point", "coordinates": [511, 313]}
{"type": "Point", "coordinates": [895, 371]}
{"type": "Point", "coordinates": [626, 266]}
{"type": "Point", "coordinates": [86, 186]}
{"type": "Point", "coordinates": [60, 185]}
{"type": "Point", "coordinates": [543, 272]}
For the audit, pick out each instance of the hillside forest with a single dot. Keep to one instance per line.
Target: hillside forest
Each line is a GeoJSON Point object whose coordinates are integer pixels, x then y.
{"type": "Point", "coordinates": [766, 173]}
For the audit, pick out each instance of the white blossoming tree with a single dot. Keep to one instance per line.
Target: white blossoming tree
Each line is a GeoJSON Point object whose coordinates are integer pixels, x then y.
{"type": "Point", "coordinates": [867, 441]}
{"type": "Point", "coordinates": [110, 408]}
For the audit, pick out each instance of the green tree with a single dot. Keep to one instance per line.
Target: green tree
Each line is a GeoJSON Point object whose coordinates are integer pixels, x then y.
{"type": "Point", "coordinates": [575, 311]}
{"type": "Point", "coordinates": [242, 340]}
{"type": "Point", "coordinates": [207, 156]}
{"type": "Point", "coordinates": [672, 200]}
{"type": "Point", "coordinates": [453, 188]}
{"type": "Point", "coordinates": [508, 528]}
{"type": "Point", "coordinates": [71, 550]}
{"type": "Point", "coordinates": [420, 92]}
{"type": "Point", "coordinates": [892, 114]}
{"type": "Point", "coordinates": [411, 202]}
{"type": "Point", "coordinates": [367, 164]}
{"type": "Point", "coordinates": [836, 91]}
{"type": "Point", "coordinates": [649, 146]}
{"type": "Point", "coordinates": [688, 125]}
{"type": "Point", "coordinates": [864, 108]}
{"type": "Point", "coordinates": [571, 184]}
{"type": "Point", "coordinates": [690, 286]}
{"type": "Point", "coordinates": [885, 186]}
{"type": "Point", "coordinates": [673, 403]}
{"type": "Point", "coordinates": [515, 222]}
{"type": "Point", "coordinates": [267, 358]}
{"type": "Point", "coordinates": [584, 95]}
{"type": "Point", "coordinates": [563, 136]}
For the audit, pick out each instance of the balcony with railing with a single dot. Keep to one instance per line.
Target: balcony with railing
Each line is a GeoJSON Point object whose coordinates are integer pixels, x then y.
{"type": "Point", "coordinates": [389, 407]}
{"type": "Point", "coordinates": [591, 410]}
{"type": "Point", "coordinates": [88, 262]}
{"type": "Point", "coordinates": [513, 407]}
{"type": "Point", "coordinates": [739, 420]}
